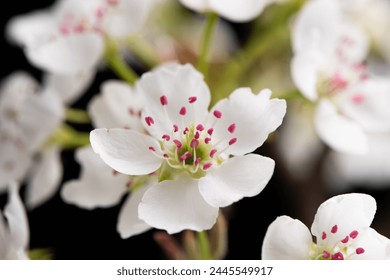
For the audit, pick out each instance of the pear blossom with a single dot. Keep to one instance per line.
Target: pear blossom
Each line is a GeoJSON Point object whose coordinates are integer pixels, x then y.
{"type": "Point", "coordinates": [68, 38]}
{"type": "Point", "coordinates": [201, 157]}
{"type": "Point", "coordinates": [14, 234]}
{"type": "Point", "coordinates": [341, 230]}
{"type": "Point", "coordinates": [118, 105]}
{"type": "Point", "coordinates": [328, 68]}
{"type": "Point", "coordinates": [237, 11]}
{"type": "Point", "coordinates": [29, 115]}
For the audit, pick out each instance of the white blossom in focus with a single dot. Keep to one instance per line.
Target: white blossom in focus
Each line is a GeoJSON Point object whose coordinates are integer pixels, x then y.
{"type": "Point", "coordinates": [190, 148]}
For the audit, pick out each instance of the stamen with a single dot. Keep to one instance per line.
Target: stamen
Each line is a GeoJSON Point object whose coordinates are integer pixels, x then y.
{"type": "Point", "coordinates": [345, 240]}
{"type": "Point", "coordinates": [232, 128]}
{"type": "Point", "coordinates": [175, 128]}
{"type": "Point", "coordinates": [338, 256]}
{"type": "Point", "coordinates": [185, 156]}
{"type": "Point", "coordinates": [183, 111]}
{"type": "Point", "coordinates": [207, 165]}
{"type": "Point", "coordinates": [194, 143]}
{"type": "Point", "coordinates": [354, 234]}
{"type": "Point", "coordinates": [192, 99]}
{"type": "Point", "coordinates": [196, 162]}
{"type": "Point", "coordinates": [210, 131]}
{"type": "Point", "coordinates": [323, 237]}
{"type": "Point", "coordinates": [232, 141]}
{"type": "Point", "coordinates": [164, 100]}
{"type": "Point", "coordinates": [200, 127]}
{"type": "Point", "coordinates": [166, 137]}
{"type": "Point", "coordinates": [217, 114]}
{"type": "Point", "coordinates": [207, 140]}
{"type": "Point", "coordinates": [334, 229]}
{"type": "Point", "coordinates": [149, 121]}
{"type": "Point", "coordinates": [325, 254]}
{"type": "Point", "coordinates": [212, 152]}
{"type": "Point", "coordinates": [197, 135]}
{"type": "Point", "coordinates": [152, 149]}
{"type": "Point", "coordinates": [359, 251]}
{"type": "Point", "coordinates": [177, 143]}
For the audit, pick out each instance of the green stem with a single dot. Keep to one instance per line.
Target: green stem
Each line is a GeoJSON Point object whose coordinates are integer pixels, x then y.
{"type": "Point", "coordinates": [69, 138]}
{"type": "Point", "coordinates": [77, 116]}
{"type": "Point", "coordinates": [118, 65]}
{"type": "Point", "coordinates": [143, 50]}
{"type": "Point", "coordinates": [205, 43]}
{"type": "Point", "coordinates": [204, 246]}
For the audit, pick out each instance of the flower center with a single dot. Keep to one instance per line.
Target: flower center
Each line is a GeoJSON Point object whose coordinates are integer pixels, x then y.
{"type": "Point", "coordinates": [340, 249]}
{"type": "Point", "coordinates": [192, 148]}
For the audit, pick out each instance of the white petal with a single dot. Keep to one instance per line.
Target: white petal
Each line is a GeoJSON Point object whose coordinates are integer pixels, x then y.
{"type": "Point", "coordinates": [239, 11]}
{"type": "Point", "coordinates": [305, 66]}
{"type": "Point", "coordinates": [128, 222]}
{"type": "Point", "coordinates": [118, 105]}
{"type": "Point", "coordinates": [125, 150]}
{"type": "Point", "coordinates": [338, 131]}
{"type": "Point", "coordinates": [46, 177]}
{"type": "Point", "coordinates": [375, 245]}
{"type": "Point", "coordinates": [127, 17]}
{"type": "Point", "coordinates": [197, 5]}
{"type": "Point", "coordinates": [17, 223]}
{"type": "Point", "coordinates": [238, 177]}
{"type": "Point", "coordinates": [259, 115]}
{"type": "Point", "coordinates": [286, 239]}
{"type": "Point", "coordinates": [98, 186]}
{"type": "Point", "coordinates": [68, 55]}
{"type": "Point", "coordinates": [69, 87]}
{"type": "Point", "coordinates": [177, 205]}
{"type": "Point", "coordinates": [348, 211]}
{"type": "Point", "coordinates": [177, 83]}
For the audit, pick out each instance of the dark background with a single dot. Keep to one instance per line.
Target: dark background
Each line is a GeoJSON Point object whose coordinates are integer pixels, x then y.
{"type": "Point", "coordinates": [74, 233]}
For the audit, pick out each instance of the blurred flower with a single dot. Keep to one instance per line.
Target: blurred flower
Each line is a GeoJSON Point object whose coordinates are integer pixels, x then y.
{"type": "Point", "coordinates": [341, 228]}
{"type": "Point", "coordinates": [14, 234]}
{"type": "Point", "coordinates": [99, 186]}
{"type": "Point", "coordinates": [68, 38]}
{"type": "Point", "coordinates": [237, 11]}
{"type": "Point", "coordinates": [29, 115]}
{"type": "Point", "coordinates": [190, 148]}
{"type": "Point", "coordinates": [328, 68]}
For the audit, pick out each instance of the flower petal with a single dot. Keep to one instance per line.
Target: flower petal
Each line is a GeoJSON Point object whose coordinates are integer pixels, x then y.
{"type": "Point", "coordinates": [259, 116]}
{"type": "Point", "coordinates": [286, 239]}
{"type": "Point", "coordinates": [375, 245]}
{"type": "Point", "coordinates": [177, 83]}
{"type": "Point", "coordinates": [238, 177]}
{"type": "Point", "coordinates": [239, 11]}
{"type": "Point", "coordinates": [46, 177]}
{"type": "Point", "coordinates": [98, 185]}
{"type": "Point", "coordinates": [349, 212]}
{"type": "Point", "coordinates": [125, 150]}
{"type": "Point", "coordinates": [128, 222]}
{"type": "Point", "coordinates": [338, 131]}
{"type": "Point", "coordinates": [177, 205]}
{"type": "Point", "coordinates": [197, 5]}
{"type": "Point", "coordinates": [17, 222]}
{"type": "Point", "coordinates": [68, 55]}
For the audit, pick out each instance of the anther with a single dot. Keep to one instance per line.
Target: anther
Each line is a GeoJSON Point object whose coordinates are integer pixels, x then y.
{"type": "Point", "coordinates": [152, 149]}
{"type": "Point", "coordinates": [354, 234]}
{"type": "Point", "coordinates": [200, 127]}
{"type": "Point", "coordinates": [183, 111]}
{"type": "Point", "coordinates": [323, 237]}
{"type": "Point", "coordinates": [149, 121]}
{"type": "Point", "coordinates": [210, 131]}
{"type": "Point", "coordinates": [185, 156]}
{"type": "Point", "coordinates": [232, 128]}
{"type": "Point", "coordinates": [334, 229]}
{"type": "Point", "coordinates": [359, 251]}
{"type": "Point", "coordinates": [325, 254]}
{"type": "Point", "coordinates": [197, 161]}
{"type": "Point", "coordinates": [345, 240]}
{"type": "Point", "coordinates": [175, 128]}
{"type": "Point", "coordinates": [207, 165]}
{"type": "Point", "coordinates": [192, 99]}
{"type": "Point", "coordinates": [166, 137]}
{"type": "Point", "coordinates": [177, 143]}
{"type": "Point", "coordinates": [194, 143]}
{"type": "Point", "coordinates": [212, 152]}
{"type": "Point", "coordinates": [197, 135]}
{"type": "Point", "coordinates": [232, 141]}
{"type": "Point", "coordinates": [164, 100]}
{"type": "Point", "coordinates": [217, 114]}
{"type": "Point", "coordinates": [338, 256]}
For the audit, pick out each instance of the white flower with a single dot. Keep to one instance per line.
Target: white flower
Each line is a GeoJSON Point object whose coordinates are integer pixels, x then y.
{"type": "Point", "coordinates": [190, 147]}
{"type": "Point", "coordinates": [14, 234]}
{"type": "Point", "coordinates": [341, 228]}
{"type": "Point", "coordinates": [328, 68]}
{"type": "Point", "coordinates": [99, 185]}
{"type": "Point", "coordinates": [237, 11]}
{"type": "Point", "coordinates": [68, 38]}
{"type": "Point", "coordinates": [28, 117]}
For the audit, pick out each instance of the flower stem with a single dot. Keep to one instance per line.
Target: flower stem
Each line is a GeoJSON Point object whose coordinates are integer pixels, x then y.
{"type": "Point", "coordinates": [69, 138]}
{"type": "Point", "coordinates": [204, 246]}
{"type": "Point", "coordinates": [118, 65]}
{"type": "Point", "coordinates": [77, 116]}
{"type": "Point", "coordinates": [205, 43]}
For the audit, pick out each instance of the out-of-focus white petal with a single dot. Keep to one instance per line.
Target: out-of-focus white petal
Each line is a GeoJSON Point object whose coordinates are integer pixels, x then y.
{"type": "Point", "coordinates": [259, 116]}
{"type": "Point", "coordinates": [98, 185]}
{"type": "Point", "coordinates": [286, 239]}
{"type": "Point", "coordinates": [129, 224]}
{"type": "Point", "coordinates": [349, 212]}
{"type": "Point", "coordinates": [177, 205]}
{"type": "Point", "coordinates": [197, 5]}
{"type": "Point", "coordinates": [17, 223]}
{"type": "Point", "coordinates": [238, 177]}
{"type": "Point", "coordinates": [177, 83]}
{"type": "Point", "coordinates": [73, 54]}
{"type": "Point", "coordinates": [126, 151]}
{"type": "Point", "coordinates": [46, 177]}
{"type": "Point", "coordinates": [338, 131]}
